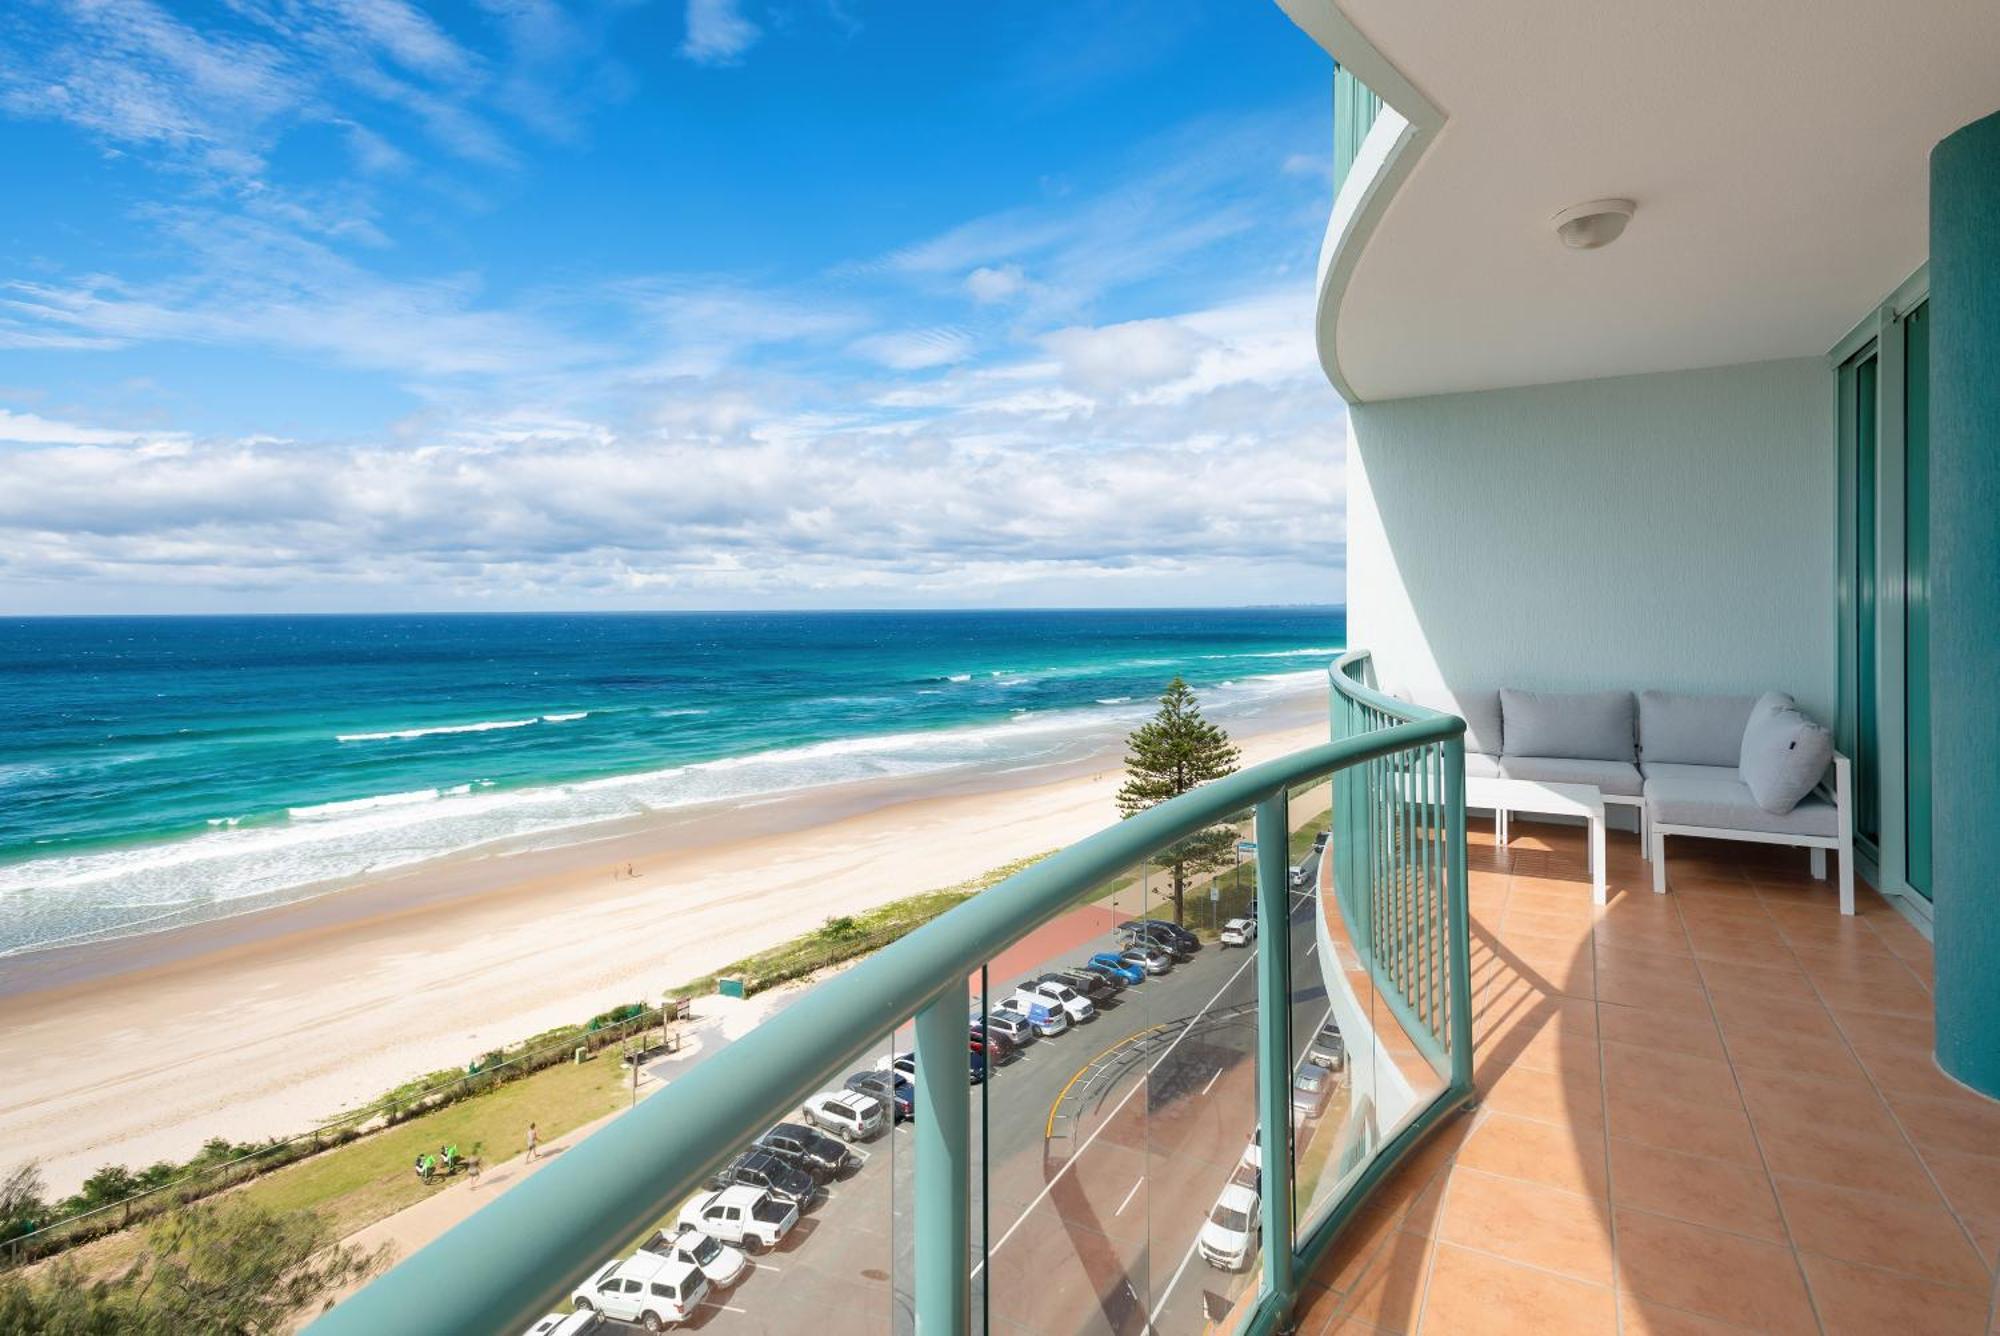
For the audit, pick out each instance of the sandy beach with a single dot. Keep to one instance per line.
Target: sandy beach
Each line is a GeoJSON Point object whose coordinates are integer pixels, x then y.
{"type": "Point", "coordinates": [139, 1049]}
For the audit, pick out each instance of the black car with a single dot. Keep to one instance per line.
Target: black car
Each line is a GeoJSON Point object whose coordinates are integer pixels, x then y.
{"type": "Point", "coordinates": [1091, 986]}
{"type": "Point", "coordinates": [819, 1155]}
{"type": "Point", "coordinates": [761, 1169]}
{"type": "Point", "coordinates": [1157, 937]}
{"type": "Point", "coordinates": [1175, 932]}
{"type": "Point", "coordinates": [892, 1090]}
{"type": "Point", "coordinates": [1117, 981]}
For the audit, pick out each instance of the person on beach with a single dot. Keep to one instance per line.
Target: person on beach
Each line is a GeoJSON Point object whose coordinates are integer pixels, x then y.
{"type": "Point", "coordinates": [533, 1139]}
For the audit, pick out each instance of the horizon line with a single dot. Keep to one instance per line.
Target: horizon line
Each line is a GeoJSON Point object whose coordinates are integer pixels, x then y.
{"type": "Point", "coordinates": [678, 612]}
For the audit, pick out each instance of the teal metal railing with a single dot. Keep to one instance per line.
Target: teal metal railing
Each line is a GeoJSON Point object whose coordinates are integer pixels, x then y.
{"type": "Point", "coordinates": [1400, 888]}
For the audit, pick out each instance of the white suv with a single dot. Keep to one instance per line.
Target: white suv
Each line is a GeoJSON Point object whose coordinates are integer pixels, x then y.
{"type": "Point", "coordinates": [1230, 1236]}
{"type": "Point", "coordinates": [645, 1288]}
{"type": "Point", "coordinates": [848, 1114]}
{"type": "Point", "coordinates": [1078, 1009]}
{"type": "Point", "coordinates": [743, 1215]}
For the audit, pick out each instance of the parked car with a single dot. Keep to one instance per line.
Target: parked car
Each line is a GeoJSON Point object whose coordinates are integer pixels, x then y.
{"type": "Point", "coordinates": [748, 1217]}
{"type": "Point", "coordinates": [1083, 985]}
{"type": "Point", "coordinates": [1157, 938]}
{"type": "Point", "coordinates": [1091, 984]}
{"type": "Point", "coordinates": [761, 1169]}
{"type": "Point", "coordinates": [849, 1114]}
{"type": "Point", "coordinates": [1238, 932]}
{"type": "Point", "coordinates": [1302, 875]}
{"type": "Point", "coordinates": [1151, 959]}
{"type": "Point", "coordinates": [1229, 1239]}
{"type": "Point", "coordinates": [1112, 962]}
{"type": "Point", "coordinates": [1042, 1016]}
{"type": "Point", "coordinates": [905, 1065]}
{"type": "Point", "coordinates": [889, 1089]}
{"type": "Point", "coordinates": [722, 1264]}
{"type": "Point", "coordinates": [1311, 1088]}
{"type": "Point", "coordinates": [645, 1288]}
{"type": "Point", "coordinates": [995, 1046]}
{"type": "Point", "coordinates": [819, 1155]}
{"type": "Point", "coordinates": [1319, 841]}
{"type": "Point", "coordinates": [1174, 932]}
{"type": "Point", "coordinates": [1249, 1175]}
{"type": "Point", "coordinates": [1012, 1027]}
{"type": "Point", "coordinates": [1078, 1009]}
{"type": "Point", "coordinates": [565, 1324]}
{"type": "Point", "coordinates": [1328, 1048]}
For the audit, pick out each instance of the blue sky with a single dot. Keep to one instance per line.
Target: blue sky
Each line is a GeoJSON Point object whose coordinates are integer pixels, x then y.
{"type": "Point", "coordinates": [330, 304]}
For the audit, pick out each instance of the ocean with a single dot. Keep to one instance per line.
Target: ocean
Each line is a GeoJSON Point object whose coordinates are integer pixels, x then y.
{"type": "Point", "coordinates": [156, 771]}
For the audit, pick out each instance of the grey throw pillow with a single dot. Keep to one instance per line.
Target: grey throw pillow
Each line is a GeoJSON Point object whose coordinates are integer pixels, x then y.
{"type": "Point", "coordinates": [1785, 752]}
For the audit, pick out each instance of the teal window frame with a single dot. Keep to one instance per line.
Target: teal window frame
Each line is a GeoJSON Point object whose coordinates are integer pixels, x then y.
{"type": "Point", "coordinates": [1895, 685]}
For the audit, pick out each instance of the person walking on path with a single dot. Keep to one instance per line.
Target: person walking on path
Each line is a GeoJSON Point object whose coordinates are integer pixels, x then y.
{"type": "Point", "coordinates": [533, 1139]}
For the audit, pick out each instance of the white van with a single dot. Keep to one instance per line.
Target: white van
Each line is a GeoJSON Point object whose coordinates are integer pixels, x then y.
{"type": "Point", "coordinates": [645, 1288]}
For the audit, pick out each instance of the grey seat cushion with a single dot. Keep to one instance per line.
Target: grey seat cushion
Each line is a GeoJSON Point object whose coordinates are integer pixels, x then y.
{"type": "Point", "coordinates": [1479, 765]}
{"type": "Point", "coordinates": [1692, 730]}
{"type": "Point", "coordinates": [1714, 797]}
{"type": "Point", "coordinates": [1479, 709]}
{"type": "Point", "coordinates": [1785, 752]}
{"type": "Point", "coordinates": [1588, 726]}
{"type": "Point", "coordinates": [1618, 779]}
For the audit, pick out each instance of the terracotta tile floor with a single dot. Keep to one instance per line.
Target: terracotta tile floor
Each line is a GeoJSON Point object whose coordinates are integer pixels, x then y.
{"type": "Point", "coordinates": [1709, 1111]}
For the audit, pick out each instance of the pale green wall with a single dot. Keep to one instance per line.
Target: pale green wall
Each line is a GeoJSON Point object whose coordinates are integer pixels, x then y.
{"type": "Point", "coordinates": [1672, 531]}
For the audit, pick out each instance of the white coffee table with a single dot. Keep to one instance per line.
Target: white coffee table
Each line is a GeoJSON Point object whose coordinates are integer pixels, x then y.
{"type": "Point", "coordinates": [1531, 795]}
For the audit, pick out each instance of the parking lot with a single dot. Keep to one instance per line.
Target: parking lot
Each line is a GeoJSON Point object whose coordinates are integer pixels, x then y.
{"type": "Point", "coordinates": [1104, 1150]}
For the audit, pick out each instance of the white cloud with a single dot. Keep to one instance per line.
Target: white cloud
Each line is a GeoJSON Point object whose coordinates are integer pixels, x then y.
{"type": "Point", "coordinates": [33, 429]}
{"type": "Point", "coordinates": [995, 283]}
{"type": "Point", "coordinates": [1116, 359]}
{"type": "Point", "coordinates": [717, 32]}
{"type": "Point", "coordinates": [916, 349]}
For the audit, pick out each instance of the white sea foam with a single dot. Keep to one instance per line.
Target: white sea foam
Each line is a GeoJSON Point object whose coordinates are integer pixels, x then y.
{"type": "Point", "coordinates": [962, 677]}
{"type": "Point", "coordinates": [1113, 700]}
{"type": "Point", "coordinates": [328, 811]}
{"type": "Point", "coordinates": [134, 888]}
{"type": "Point", "coordinates": [565, 718]}
{"type": "Point", "coordinates": [488, 726]}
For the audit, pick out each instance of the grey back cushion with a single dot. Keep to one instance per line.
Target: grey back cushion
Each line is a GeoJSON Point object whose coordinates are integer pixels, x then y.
{"type": "Point", "coordinates": [1479, 709]}
{"type": "Point", "coordinates": [1692, 730]}
{"type": "Point", "coordinates": [1591, 726]}
{"type": "Point", "coordinates": [1784, 753]}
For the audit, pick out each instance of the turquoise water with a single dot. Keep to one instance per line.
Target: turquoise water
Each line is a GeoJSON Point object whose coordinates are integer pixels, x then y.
{"type": "Point", "coordinates": [158, 770]}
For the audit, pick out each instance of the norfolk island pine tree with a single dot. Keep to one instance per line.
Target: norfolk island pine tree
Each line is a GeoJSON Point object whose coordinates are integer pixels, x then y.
{"type": "Point", "coordinates": [1173, 752]}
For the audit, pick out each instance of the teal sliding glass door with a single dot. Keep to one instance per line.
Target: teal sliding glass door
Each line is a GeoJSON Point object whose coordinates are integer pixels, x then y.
{"type": "Point", "coordinates": [1859, 730]}
{"type": "Point", "coordinates": [1917, 601]}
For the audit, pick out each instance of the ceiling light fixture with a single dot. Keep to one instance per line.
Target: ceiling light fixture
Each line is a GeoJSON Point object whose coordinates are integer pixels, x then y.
{"type": "Point", "coordinates": [1598, 223]}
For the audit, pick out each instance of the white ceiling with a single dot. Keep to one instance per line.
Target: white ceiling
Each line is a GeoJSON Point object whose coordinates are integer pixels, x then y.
{"type": "Point", "coordinates": [1777, 149]}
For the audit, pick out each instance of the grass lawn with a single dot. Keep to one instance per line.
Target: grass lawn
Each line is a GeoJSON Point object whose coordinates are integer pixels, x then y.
{"type": "Point", "coordinates": [360, 1183]}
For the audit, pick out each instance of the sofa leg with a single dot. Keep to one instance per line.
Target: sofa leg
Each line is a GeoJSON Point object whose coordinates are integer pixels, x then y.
{"type": "Point", "coordinates": [1847, 882]}
{"type": "Point", "coordinates": [1645, 834]}
{"type": "Point", "coordinates": [1818, 863]}
{"type": "Point", "coordinates": [1500, 827]}
{"type": "Point", "coordinates": [1659, 863]}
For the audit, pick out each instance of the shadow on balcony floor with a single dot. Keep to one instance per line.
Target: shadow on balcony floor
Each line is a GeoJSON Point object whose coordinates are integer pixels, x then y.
{"type": "Point", "coordinates": [1709, 1111]}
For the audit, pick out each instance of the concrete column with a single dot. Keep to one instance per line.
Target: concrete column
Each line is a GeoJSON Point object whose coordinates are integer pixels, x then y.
{"type": "Point", "coordinates": [1965, 598]}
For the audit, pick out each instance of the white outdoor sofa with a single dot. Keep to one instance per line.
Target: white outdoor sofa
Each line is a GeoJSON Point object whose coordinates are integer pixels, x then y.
{"type": "Point", "coordinates": [1677, 760]}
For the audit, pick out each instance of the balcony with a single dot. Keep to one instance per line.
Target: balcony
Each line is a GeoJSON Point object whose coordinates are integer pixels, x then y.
{"type": "Point", "coordinates": [1712, 1110]}
{"type": "Point", "coordinates": [1708, 1110]}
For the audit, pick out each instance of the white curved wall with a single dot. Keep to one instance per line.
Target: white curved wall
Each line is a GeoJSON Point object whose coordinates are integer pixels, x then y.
{"type": "Point", "coordinates": [1670, 531]}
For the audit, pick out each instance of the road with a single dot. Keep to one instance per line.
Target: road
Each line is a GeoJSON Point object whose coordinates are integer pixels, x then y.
{"type": "Point", "coordinates": [1105, 1149]}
